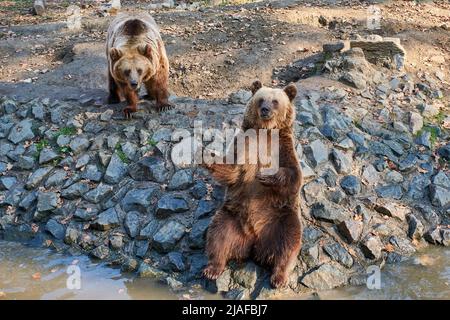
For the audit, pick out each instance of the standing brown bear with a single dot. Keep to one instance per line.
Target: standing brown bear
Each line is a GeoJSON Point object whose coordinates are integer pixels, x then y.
{"type": "Point", "coordinates": [261, 213]}
{"type": "Point", "coordinates": [136, 56]}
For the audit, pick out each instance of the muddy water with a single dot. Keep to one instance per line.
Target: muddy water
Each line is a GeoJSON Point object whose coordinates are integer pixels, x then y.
{"type": "Point", "coordinates": [38, 273]}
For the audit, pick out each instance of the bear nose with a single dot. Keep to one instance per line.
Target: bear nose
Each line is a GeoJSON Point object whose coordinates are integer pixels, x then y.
{"type": "Point", "coordinates": [265, 111]}
{"type": "Point", "coordinates": [133, 84]}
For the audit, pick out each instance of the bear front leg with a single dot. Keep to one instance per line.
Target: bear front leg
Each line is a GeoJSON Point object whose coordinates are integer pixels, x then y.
{"type": "Point", "coordinates": [158, 88]}
{"type": "Point", "coordinates": [278, 245]}
{"type": "Point", "coordinates": [132, 99]}
{"type": "Point", "coordinates": [225, 241]}
{"type": "Point", "coordinates": [113, 90]}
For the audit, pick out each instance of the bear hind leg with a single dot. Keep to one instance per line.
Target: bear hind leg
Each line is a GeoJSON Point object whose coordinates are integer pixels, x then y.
{"type": "Point", "coordinates": [278, 245]}
{"type": "Point", "coordinates": [225, 241]}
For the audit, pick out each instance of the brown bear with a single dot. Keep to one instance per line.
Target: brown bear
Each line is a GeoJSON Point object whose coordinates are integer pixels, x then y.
{"type": "Point", "coordinates": [136, 56]}
{"type": "Point", "coordinates": [260, 217]}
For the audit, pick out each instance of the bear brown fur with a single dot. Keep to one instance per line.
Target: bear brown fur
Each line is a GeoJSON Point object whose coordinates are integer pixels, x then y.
{"type": "Point", "coordinates": [136, 56]}
{"type": "Point", "coordinates": [260, 217]}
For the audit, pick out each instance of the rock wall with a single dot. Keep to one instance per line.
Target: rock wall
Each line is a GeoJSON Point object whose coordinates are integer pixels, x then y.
{"type": "Point", "coordinates": [377, 187]}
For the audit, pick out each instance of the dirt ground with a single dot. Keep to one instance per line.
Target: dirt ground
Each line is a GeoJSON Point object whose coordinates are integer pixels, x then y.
{"type": "Point", "coordinates": [215, 50]}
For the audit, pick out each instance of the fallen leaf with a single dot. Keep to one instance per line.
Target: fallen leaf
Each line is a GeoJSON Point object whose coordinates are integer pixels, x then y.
{"type": "Point", "coordinates": [389, 248]}
{"type": "Point", "coordinates": [36, 276]}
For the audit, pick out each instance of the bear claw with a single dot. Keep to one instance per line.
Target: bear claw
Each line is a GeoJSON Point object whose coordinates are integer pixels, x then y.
{"type": "Point", "coordinates": [212, 272]}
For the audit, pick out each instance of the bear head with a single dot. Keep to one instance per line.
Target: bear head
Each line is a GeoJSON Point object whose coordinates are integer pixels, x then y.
{"type": "Point", "coordinates": [270, 108]}
{"type": "Point", "coordinates": [132, 67]}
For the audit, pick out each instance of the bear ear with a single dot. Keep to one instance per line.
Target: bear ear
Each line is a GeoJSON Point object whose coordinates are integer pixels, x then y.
{"type": "Point", "coordinates": [291, 91]}
{"type": "Point", "coordinates": [145, 50]}
{"type": "Point", "coordinates": [115, 54]}
{"type": "Point", "coordinates": [256, 85]}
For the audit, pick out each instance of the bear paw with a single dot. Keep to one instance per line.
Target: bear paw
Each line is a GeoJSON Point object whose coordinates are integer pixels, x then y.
{"type": "Point", "coordinates": [160, 107]}
{"type": "Point", "coordinates": [128, 111]}
{"type": "Point", "coordinates": [212, 272]}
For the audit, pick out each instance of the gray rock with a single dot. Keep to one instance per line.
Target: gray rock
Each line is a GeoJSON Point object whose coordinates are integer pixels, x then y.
{"type": "Point", "coordinates": [333, 47]}
{"type": "Point", "coordinates": [415, 227]}
{"type": "Point", "coordinates": [92, 173]}
{"type": "Point", "coordinates": [338, 253]}
{"type": "Point", "coordinates": [85, 214]}
{"type": "Point", "coordinates": [149, 230]}
{"type": "Point", "coordinates": [170, 204]}
{"type": "Point", "coordinates": [325, 277]}
{"type": "Point", "coordinates": [101, 252]}
{"type": "Point", "coordinates": [147, 271]}
{"type": "Point", "coordinates": [310, 255]}
{"type": "Point", "coordinates": [372, 247]}
{"type": "Point", "coordinates": [21, 132]}
{"type": "Point", "coordinates": [223, 281]}
{"type": "Point", "coordinates": [424, 139]}
{"type": "Point", "coordinates": [99, 194]}
{"type": "Point", "coordinates": [371, 175]}
{"type": "Point", "coordinates": [25, 163]}
{"type": "Point", "coordinates": [415, 122]}
{"type": "Point", "coordinates": [47, 155]}
{"type": "Point", "coordinates": [204, 208]}
{"type": "Point", "coordinates": [149, 169]}
{"type": "Point", "coordinates": [28, 201]}
{"type": "Point", "coordinates": [351, 230]}
{"type": "Point", "coordinates": [116, 242]}
{"type": "Point", "coordinates": [55, 229]}
{"type": "Point", "coordinates": [82, 161]}
{"type": "Point", "coordinates": [9, 106]}
{"type": "Point", "coordinates": [444, 151]}
{"type": "Point", "coordinates": [240, 97]}
{"type": "Point", "coordinates": [351, 185]}
{"type": "Point", "coordinates": [130, 150]}
{"type": "Point", "coordinates": [327, 212]}
{"type": "Point", "coordinates": [71, 236]}
{"type": "Point", "coordinates": [246, 276]}
{"type": "Point", "coordinates": [132, 224]}
{"type": "Point", "coordinates": [197, 235]}
{"type": "Point", "coordinates": [439, 196]}
{"type": "Point", "coordinates": [168, 236]}
{"type": "Point", "coordinates": [116, 170]}
{"type": "Point", "coordinates": [394, 177]}
{"type": "Point", "coordinates": [76, 190]}
{"type": "Point", "coordinates": [199, 190]}
{"type": "Point", "coordinates": [63, 140]}
{"type": "Point", "coordinates": [342, 161]}
{"type": "Point", "coordinates": [181, 180]}
{"type": "Point", "coordinates": [6, 183]}
{"type": "Point", "coordinates": [316, 152]}
{"type": "Point", "coordinates": [139, 199]}
{"type": "Point", "coordinates": [393, 191]}
{"type": "Point", "coordinates": [408, 163]}
{"type": "Point", "coordinates": [442, 179]}
{"type": "Point", "coordinates": [79, 144]}
{"type": "Point", "coordinates": [56, 179]}
{"type": "Point", "coordinates": [176, 261]}
{"type": "Point", "coordinates": [106, 220]}
{"type": "Point", "coordinates": [47, 201]}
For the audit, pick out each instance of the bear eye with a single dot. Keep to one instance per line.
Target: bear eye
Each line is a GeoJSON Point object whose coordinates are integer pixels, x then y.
{"type": "Point", "coordinates": [126, 72]}
{"type": "Point", "coordinates": [275, 103]}
{"type": "Point", "coordinates": [260, 101]}
{"type": "Point", "coordinates": [139, 71]}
